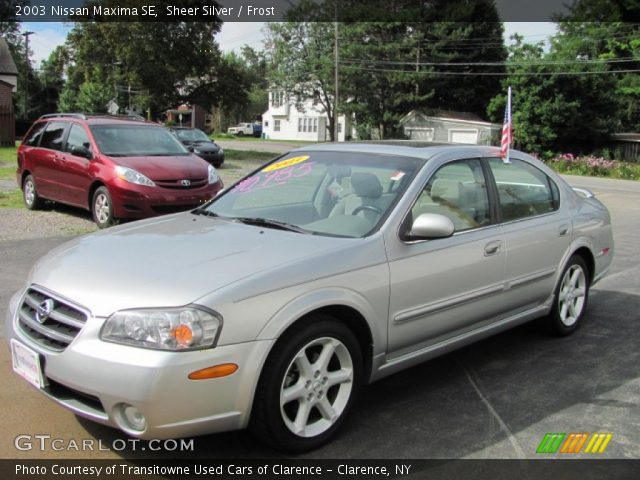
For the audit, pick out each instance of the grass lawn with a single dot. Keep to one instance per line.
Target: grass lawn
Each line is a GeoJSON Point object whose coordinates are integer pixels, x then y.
{"type": "Point", "coordinates": [12, 199]}
{"type": "Point", "coordinates": [248, 155]}
{"type": "Point", "coordinates": [8, 154]}
{"type": "Point", "coordinates": [246, 138]}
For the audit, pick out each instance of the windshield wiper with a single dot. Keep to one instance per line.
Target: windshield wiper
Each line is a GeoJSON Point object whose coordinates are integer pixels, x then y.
{"type": "Point", "coordinates": [269, 223]}
{"type": "Point", "coordinates": [204, 211]}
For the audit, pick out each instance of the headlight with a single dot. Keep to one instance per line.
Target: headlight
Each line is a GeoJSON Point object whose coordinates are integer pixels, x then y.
{"type": "Point", "coordinates": [220, 151]}
{"type": "Point", "coordinates": [184, 328]}
{"type": "Point", "coordinates": [132, 176]}
{"type": "Point", "coordinates": [213, 175]}
{"type": "Point", "coordinates": [195, 150]}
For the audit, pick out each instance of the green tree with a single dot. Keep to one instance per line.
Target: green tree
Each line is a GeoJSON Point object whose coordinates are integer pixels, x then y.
{"type": "Point", "coordinates": [386, 68]}
{"type": "Point", "coordinates": [173, 62]}
{"type": "Point", "coordinates": [561, 102]}
{"type": "Point", "coordinates": [302, 64]}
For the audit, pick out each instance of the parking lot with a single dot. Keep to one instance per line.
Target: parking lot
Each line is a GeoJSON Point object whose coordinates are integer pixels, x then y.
{"type": "Point", "coordinates": [495, 399]}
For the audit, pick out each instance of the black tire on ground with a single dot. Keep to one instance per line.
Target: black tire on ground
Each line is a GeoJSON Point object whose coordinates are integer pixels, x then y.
{"type": "Point", "coordinates": [571, 298]}
{"type": "Point", "coordinates": [320, 397]}
{"type": "Point", "coordinates": [30, 194]}
{"type": "Point", "coordinates": [102, 208]}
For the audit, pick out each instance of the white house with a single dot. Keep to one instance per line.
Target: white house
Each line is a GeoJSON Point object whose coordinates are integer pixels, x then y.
{"type": "Point", "coordinates": [283, 120]}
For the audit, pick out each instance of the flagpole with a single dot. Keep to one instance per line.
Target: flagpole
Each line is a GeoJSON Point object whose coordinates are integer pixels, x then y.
{"type": "Point", "coordinates": [510, 126]}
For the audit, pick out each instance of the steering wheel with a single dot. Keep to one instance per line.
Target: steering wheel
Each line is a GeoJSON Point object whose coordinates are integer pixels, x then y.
{"type": "Point", "coordinates": [367, 207]}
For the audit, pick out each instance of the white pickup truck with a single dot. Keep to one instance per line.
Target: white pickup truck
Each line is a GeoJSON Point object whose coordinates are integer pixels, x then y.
{"type": "Point", "coordinates": [241, 129]}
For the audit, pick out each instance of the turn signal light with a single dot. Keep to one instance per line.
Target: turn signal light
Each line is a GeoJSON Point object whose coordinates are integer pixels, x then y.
{"type": "Point", "coordinates": [216, 371]}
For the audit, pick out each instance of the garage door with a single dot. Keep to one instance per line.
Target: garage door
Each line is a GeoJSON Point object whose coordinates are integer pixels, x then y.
{"type": "Point", "coordinates": [463, 136]}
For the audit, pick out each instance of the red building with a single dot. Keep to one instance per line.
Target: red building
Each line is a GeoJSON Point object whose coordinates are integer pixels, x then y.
{"type": "Point", "coordinates": [8, 83]}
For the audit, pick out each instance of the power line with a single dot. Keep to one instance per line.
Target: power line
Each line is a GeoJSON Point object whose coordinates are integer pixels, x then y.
{"type": "Point", "coordinates": [497, 64]}
{"type": "Point", "coordinates": [495, 74]}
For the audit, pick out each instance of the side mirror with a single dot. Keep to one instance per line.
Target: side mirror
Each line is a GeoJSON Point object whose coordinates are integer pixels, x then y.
{"type": "Point", "coordinates": [81, 151]}
{"type": "Point", "coordinates": [431, 225]}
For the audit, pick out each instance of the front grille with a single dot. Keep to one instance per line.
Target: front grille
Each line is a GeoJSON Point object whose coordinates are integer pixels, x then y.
{"type": "Point", "coordinates": [53, 330]}
{"type": "Point", "coordinates": [178, 184]}
{"type": "Point", "coordinates": [166, 209]}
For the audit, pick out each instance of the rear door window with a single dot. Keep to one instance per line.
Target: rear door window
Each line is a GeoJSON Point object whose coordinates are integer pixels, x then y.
{"type": "Point", "coordinates": [524, 190]}
{"type": "Point", "coordinates": [53, 137]}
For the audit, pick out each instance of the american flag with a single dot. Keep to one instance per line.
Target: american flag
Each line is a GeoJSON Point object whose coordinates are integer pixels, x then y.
{"type": "Point", "coordinates": [507, 132]}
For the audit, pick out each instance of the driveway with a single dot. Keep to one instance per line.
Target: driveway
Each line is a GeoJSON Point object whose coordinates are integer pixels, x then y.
{"type": "Point", "coordinates": [494, 399]}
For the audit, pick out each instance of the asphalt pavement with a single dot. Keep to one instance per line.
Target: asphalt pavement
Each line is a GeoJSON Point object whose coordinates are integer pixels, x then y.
{"type": "Point", "coordinates": [494, 399]}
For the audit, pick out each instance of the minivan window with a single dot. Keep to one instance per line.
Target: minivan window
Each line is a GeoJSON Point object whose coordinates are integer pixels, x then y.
{"type": "Point", "coordinates": [53, 136]}
{"type": "Point", "coordinates": [33, 139]}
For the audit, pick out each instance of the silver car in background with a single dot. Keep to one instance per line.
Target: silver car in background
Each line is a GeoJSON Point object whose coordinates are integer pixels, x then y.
{"type": "Point", "coordinates": [330, 267]}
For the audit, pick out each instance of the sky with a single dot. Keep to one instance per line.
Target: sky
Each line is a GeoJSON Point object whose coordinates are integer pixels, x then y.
{"type": "Point", "coordinates": [236, 34]}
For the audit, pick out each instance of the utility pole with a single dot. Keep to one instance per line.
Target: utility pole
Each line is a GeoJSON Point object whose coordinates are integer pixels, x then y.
{"type": "Point", "coordinates": [335, 104]}
{"type": "Point", "coordinates": [26, 79]}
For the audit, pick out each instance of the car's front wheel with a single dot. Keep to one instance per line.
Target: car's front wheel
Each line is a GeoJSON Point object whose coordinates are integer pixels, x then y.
{"type": "Point", "coordinates": [30, 195]}
{"type": "Point", "coordinates": [571, 296]}
{"type": "Point", "coordinates": [102, 208]}
{"type": "Point", "coordinates": [308, 385]}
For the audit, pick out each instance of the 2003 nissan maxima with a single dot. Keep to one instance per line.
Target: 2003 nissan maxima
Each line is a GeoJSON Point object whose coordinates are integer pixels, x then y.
{"type": "Point", "coordinates": [330, 267]}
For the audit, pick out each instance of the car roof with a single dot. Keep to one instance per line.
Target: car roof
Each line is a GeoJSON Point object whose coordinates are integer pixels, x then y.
{"type": "Point", "coordinates": [406, 148]}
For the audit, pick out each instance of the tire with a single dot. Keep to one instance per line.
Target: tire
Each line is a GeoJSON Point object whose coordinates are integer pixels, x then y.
{"type": "Point", "coordinates": [571, 298]}
{"type": "Point", "coordinates": [102, 208]}
{"type": "Point", "coordinates": [240, 134]}
{"type": "Point", "coordinates": [30, 194]}
{"type": "Point", "coordinates": [320, 398]}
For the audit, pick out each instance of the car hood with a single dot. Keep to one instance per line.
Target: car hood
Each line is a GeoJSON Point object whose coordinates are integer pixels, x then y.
{"type": "Point", "coordinates": [166, 168]}
{"type": "Point", "coordinates": [175, 260]}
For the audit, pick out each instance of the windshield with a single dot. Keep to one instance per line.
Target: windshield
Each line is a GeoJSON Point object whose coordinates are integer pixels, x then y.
{"type": "Point", "coordinates": [331, 193]}
{"type": "Point", "coordinates": [136, 141]}
{"type": "Point", "coordinates": [194, 135]}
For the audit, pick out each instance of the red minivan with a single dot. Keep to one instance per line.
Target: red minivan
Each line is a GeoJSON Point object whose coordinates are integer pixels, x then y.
{"type": "Point", "coordinates": [116, 167]}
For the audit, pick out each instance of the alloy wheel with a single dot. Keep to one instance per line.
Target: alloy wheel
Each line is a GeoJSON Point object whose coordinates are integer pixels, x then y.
{"type": "Point", "coordinates": [316, 387]}
{"type": "Point", "coordinates": [572, 293]}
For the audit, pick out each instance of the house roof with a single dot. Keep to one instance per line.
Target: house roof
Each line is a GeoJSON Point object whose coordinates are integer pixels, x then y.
{"type": "Point", "coordinates": [7, 65]}
{"type": "Point", "coordinates": [446, 115]}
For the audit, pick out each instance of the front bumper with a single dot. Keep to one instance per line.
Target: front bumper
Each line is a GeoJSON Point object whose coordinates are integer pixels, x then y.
{"type": "Point", "coordinates": [214, 158]}
{"type": "Point", "coordinates": [139, 201]}
{"type": "Point", "coordinates": [94, 378]}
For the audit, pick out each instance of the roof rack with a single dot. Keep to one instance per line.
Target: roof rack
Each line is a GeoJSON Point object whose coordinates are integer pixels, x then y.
{"type": "Point", "coordinates": [123, 116]}
{"type": "Point", "coordinates": [73, 115]}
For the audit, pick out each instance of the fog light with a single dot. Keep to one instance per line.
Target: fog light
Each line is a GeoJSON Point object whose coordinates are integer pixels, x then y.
{"type": "Point", "coordinates": [133, 418]}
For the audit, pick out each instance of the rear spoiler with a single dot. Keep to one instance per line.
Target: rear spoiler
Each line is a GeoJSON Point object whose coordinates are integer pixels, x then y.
{"type": "Point", "coordinates": [583, 192]}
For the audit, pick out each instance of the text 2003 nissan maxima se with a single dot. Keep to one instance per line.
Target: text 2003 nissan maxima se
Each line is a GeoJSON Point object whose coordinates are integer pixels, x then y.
{"type": "Point", "coordinates": [333, 266]}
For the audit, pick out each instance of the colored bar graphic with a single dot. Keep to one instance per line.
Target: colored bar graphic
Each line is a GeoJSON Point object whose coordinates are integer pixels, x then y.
{"type": "Point", "coordinates": [573, 442]}
{"type": "Point", "coordinates": [550, 443]}
{"type": "Point", "coordinates": [598, 443]}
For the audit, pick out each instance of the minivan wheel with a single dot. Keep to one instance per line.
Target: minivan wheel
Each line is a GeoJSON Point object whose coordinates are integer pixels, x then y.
{"type": "Point", "coordinates": [571, 296]}
{"type": "Point", "coordinates": [308, 385]}
{"type": "Point", "coordinates": [102, 208]}
{"type": "Point", "coordinates": [30, 195]}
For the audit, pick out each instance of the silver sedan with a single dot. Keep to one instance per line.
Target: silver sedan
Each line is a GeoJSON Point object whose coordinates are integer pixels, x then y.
{"type": "Point", "coordinates": [332, 266]}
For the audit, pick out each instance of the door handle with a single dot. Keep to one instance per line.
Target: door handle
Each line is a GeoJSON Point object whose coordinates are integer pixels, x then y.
{"type": "Point", "coordinates": [492, 248]}
{"type": "Point", "coordinates": [563, 230]}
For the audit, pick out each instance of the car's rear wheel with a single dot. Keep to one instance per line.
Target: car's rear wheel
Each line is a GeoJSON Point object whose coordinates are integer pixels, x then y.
{"type": "Point", "coordinates": [571, 297]}
{"type": "Point", "coordinates": [308, 385]}
{"type": "Point", "coordinates": [30, 195]}
{"type": "Point", "coordinates": [102, 208]}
